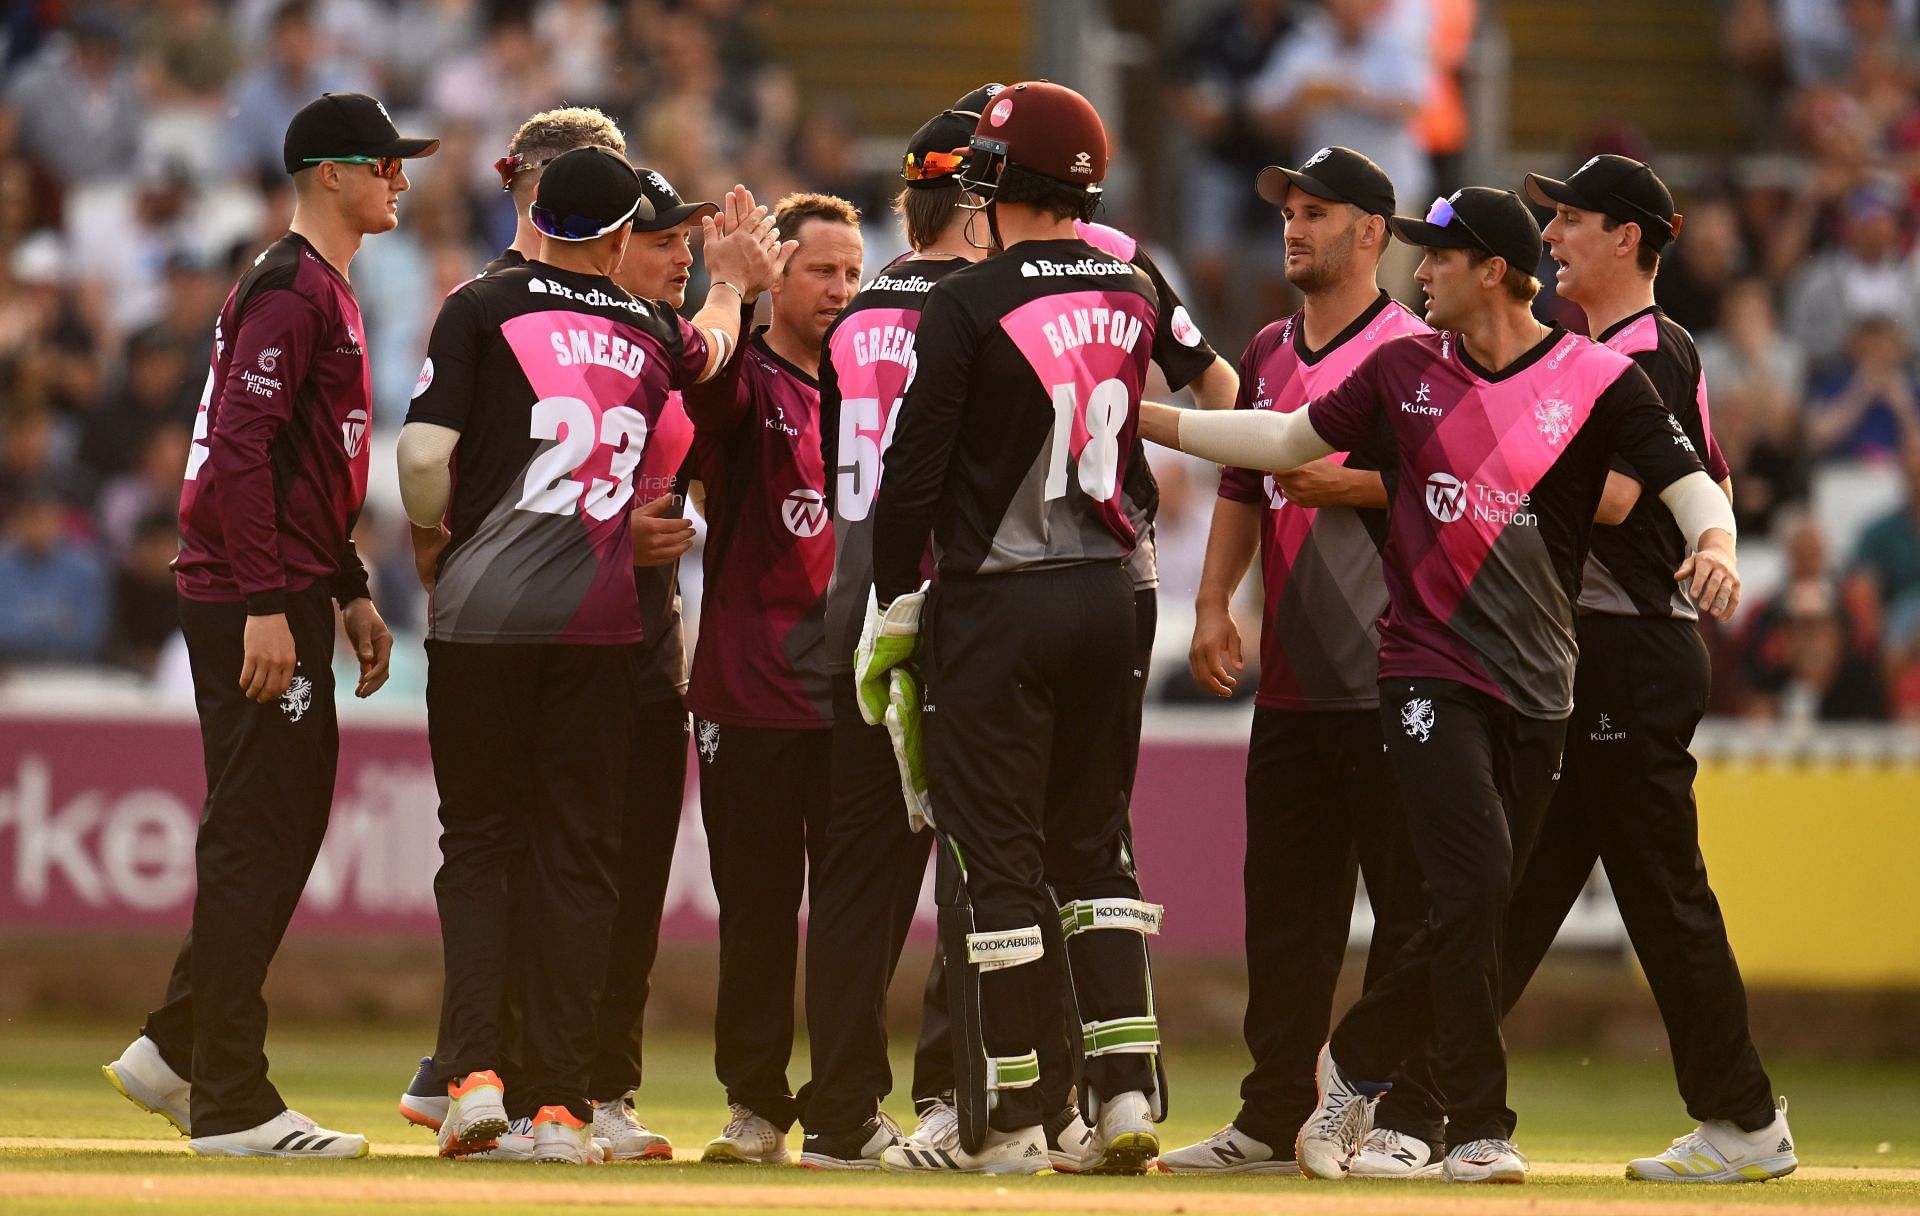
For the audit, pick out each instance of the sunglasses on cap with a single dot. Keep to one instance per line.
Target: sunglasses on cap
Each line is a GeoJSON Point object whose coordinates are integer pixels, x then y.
{"type": "Point", "coordinates": [387, 167]}
{"type": "Point", "coordinates": [932, 165]}
{"type": "Point", "coordinates": [1441, 214]}
{"type": "Point", "coordinates": [513, 165]}
{"type": "Point", "coordinates": [567, 227]}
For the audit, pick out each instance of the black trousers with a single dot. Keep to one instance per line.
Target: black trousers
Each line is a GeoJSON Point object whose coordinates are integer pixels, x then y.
{"type": "Point", "coordinates": [270, 771]}
{"type": "Point", "coordinates": [933, 1053]}
{"type": "Point", "coordinates": [861, 895]}
{"type": "Point", "coordinates": [1321, 807]}
{"type": "Point", "coordinates": [655, 793]}
{"type": "Point", "coordinates": [1626, 800]}
{"type": "Point", "coordinates": [765, 795]}
{"type": "Point", "coordinates": [1027, 746]}
{"type": "Point", "coordinates": [531, 745]}
{"type": "Point", "coordinates": [1475, 777]}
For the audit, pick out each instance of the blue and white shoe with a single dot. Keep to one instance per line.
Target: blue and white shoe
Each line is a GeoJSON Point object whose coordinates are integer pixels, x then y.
{"type": "Point", "coordinates": [1342, 1116]}
{"type": "Point", "coordinates": [425, 1102]}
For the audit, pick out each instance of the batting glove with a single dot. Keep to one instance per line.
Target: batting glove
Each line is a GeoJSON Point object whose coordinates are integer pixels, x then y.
{"type": "Point", "coordinates": [888, 640]}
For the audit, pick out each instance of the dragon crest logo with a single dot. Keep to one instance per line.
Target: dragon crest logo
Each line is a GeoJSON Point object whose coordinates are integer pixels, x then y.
{"type": "Point", "coordinates": [298, 698]}
{"type": "Point", "coordinates": [708, 740]}
{"type": "Point", "coordinates": [1417, 716]}
{"type": "Point", "coordinates": [1555, 418]}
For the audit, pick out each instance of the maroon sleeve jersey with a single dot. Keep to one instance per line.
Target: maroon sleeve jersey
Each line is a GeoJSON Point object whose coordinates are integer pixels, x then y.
{"type": "Point", "coordinates": [1499, 474]}
{"type": "Point", "coordinates": [278, 466]}
{"type": "Point", "coordinates": [761, 658]}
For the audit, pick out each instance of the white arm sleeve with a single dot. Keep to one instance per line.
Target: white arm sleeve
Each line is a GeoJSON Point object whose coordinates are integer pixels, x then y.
{"type": "Point", "coordinates": [425, 482]}
{"type": "Point", "coordinates": [1698, 505]}
{"type": "Point", "coordinates": [1252, 439]}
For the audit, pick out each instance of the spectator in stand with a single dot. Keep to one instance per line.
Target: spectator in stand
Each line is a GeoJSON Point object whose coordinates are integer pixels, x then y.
{"type": "Point", "coordinates": [1868, 408]}
{"type": "Point", "coordinates": [1865, 275]}
{"type": "Point", "coordinates": [151, 486]}
{"type": "Point", "coordinates": [35, 458]}
{"type": "Point", "coordinates": [1887, 563]}
{"type": "Point", "coordinates": [75, 110]}
{"type": "Point", "coordinates": [1807, 655]}
{"type": "Point", "coordinates": [1707, 256]}
{"type": "Point", "coordinates": [54, 595]}
{"type": "Point", "coordinates": [1756, 377]}
{"type": "Point", "coordinates": [292, 73]}
{"type": "Point", "coordinates": [146, 612]}
{"type": "Point", "coordinates": [1229, 235]}
{"type": "Point", "coordinates": [161, 386]}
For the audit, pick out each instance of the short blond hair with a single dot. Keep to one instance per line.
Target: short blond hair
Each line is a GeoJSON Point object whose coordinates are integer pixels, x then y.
{"type": "Point", "coordinates": [551, 132]}
{"type": "Point", "coordinates": [797, 208]}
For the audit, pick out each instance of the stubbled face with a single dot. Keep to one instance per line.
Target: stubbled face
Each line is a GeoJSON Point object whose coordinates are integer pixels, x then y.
{"type": "Point", "coordinates": [822, 277]}
{"type": "Point", "coordinates": [658, 264]}
{"type": "Point", "coordinates": [371, 203]}
{"type": "Point", "coordinates": [1452, 285]}
{"type": "Point", "coordinates": [1322, 239]}
{"type": "Point", "coordinates": [1581, 248]}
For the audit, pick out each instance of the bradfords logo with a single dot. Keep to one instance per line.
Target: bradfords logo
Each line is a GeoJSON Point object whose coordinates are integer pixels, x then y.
{"type": "Point", "coordinates": [425, 381]}
{"type": "Point", "coordinates": [1449, 499]}
{"type": "Point", "coordinates": [805, 513]}
{"type": "Point", "coordinates": [592, 299]}
{"type": "Point", "coordinates": [1041, 269]}
{"type": "Point", "coordinates": [1083, 163]}
{"type": "Point", "coordinates": [353, 432]}
{"type": "Point", "coordinates": [1002, 110]}
{"type": "Point", "coordinates": [1555, 418]}
{"type": "Point", "coordinates": [1446, 497]}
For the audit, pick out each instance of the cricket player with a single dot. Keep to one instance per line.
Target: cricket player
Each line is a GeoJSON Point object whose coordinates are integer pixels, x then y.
{"type": "Point", "coordinates": [1012, 452]}
{"type": "Point", "coordinates": [1503, 431]}
{"type": "Point", "coordinates": [274, 481]}
{"type": "Point", "coordinates": [760, 694]}
{"type": "Point", "coordinates": [542, 384]}
{"type": "Point", "coordinates": [1319, 788]}
{"type": "Point", "coordinates": [655, 269]}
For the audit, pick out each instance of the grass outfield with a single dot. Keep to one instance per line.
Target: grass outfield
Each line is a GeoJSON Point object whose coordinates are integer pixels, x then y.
{"type": "Point", "coordinates": [1858, 1128]}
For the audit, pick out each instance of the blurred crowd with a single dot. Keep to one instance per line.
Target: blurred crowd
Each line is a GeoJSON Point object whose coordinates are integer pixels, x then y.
{"type": "Point", "coordinates": [139, 171]}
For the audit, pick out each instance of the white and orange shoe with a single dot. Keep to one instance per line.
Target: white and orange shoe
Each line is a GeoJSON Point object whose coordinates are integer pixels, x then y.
{"type": "Point", "coordinates": [476, 1114]}
{"type": "Point", "coordinates": [560, 1136]}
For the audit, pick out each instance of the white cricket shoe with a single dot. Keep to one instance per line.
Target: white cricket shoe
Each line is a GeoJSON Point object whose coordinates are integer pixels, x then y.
{"type": "Point", "coordinates": [144, 1079]}
{"type": "Point", "coordinates": [1125, 1137]}
{"type": "Point", "coordinates": [1016, 1152]}
{"type": "Point", "coordinates": [1341, 1118]}
{"type": "Point", "coordinates": [515, 1144]}
{"type": "Point", "coordinates": [1485, 1161]}
{"type": "Point", "coordinates": [1386, 1153]}
{"type": "Point", "coordinates": [476, 1114]}
{"type": "Point", "coordinates": [287, 1134]}
{"type": "Point", "coordinates": [939, 1125]}
{"type": "Point", "coordinates": [630, 1140]}
{"type": "Point", "coordinates": [1718, 1151]}
{"type": "Point", "coordinates": [747, 1139]}
{"type": "Point", "coordinates": [1227, 1151]}
{"type": "Point", "coordinates": [1072, 1146]}
{"type": "Point", "coordinates": [561, 1137]}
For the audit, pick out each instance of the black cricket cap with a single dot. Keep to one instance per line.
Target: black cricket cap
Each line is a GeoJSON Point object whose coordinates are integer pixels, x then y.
{"type": "Point", "coordinates": [1337, 174]}
{"type": "Point", "coordinates": [586, 193]}
{"type": "Point", "coordinates": [950, 131]}
{"type": "Point", "coordinates": [668, 210]}
{"type": "Point", "coordinates": [337, 125]}
{"type": "Point", "coordinates": [1619, 186]}
{"type": "Point", "coordinates": [1477, 217]}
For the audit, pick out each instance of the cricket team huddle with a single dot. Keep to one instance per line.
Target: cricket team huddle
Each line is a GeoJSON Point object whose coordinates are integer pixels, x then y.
{"type": "Point", "coordinates": [930, 600]}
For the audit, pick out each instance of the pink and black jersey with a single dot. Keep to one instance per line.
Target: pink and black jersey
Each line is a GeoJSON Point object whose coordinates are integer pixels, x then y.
{"type": "Point", "coordinates": [1499, 475]}
{"type": "Point", "coordinates": [866, 367]}
{"type": "Point", "coordinates": [762, 655]}
{"type": "Point", "coordinates": [1182, 352]}
{"type": "Point", "coordinates": [555, 380]}
{"type": "Point", "coordinates": [663, 661]}
{"type": "Point", "coordinates": [1325, 591]}
{"type": "Point", "coordinates": [1017, 436]}
{"type": "Point", "coordinates": [1630, 566]}
{"type": "Point", "coordinates": [278, 466]}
